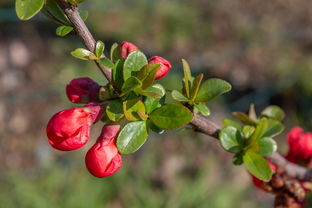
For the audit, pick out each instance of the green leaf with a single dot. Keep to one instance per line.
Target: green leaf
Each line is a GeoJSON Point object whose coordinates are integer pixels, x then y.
{"type": "Point", "coordinates": [178, 96]}
{"type": "Point", "coordinates": [133, 64]}
{"type": "Point", "coordinates": [244, 118]}
{"type": "Point", "coordinates": [151, 104]}
{"type": "Point", "coordinates": [154, 128]}
{"type": "Point", "coordinates": [147, 74]}
{"type": "Point", "coordinates": [257, 166]}
{"type": "Point", "coordinates": [81, 53]}
{"type": "Point", "coordinates": [187, 77]}
{"type": "Point", "coordinates": [106, 63]}
{"type": "Point", "coordinates": [63, 30]}
{"type": "Point", "coordinates": [260, 129]}
{"type": "Point", "coordinates": [26, 9]}
{"type": "Point", "coordinates": [131, 109]}
{"type": "Point", "coordinates": [114, 110]}
{"type": "Point", "coordinates": [273, 112]}
{"type": "Point", "coordinates": [154, 91]}
{"type": "Point", "coordinates": [267, 146]}
{"type": "Point", "coordinates": [115, 52]}
{"type": "Point", "coordinates": [130, 84]}
{"type": "Point", "coordinates": [52, 10]}
{"type": "Point", "coordinates": [171, 116]}
{"type": "Point", "coordinates": [132, 137]}
{"type": "Point", "coordinates": [195, 86]}
{"type": "Point", "coordinates": [231, 139]}
{"type": "Point", "coordinates": [248, 131]}
{"type": "Point", "coordinates": [230, 122]}
{"type": "Point", "coordinates": [117, 74]}
{"type": "Point", "coordinates": [99, 49]}
{"type": "Point", "coordinates": [212, 88]}
{"type": "Point", "coordinates": [274, 128]}
{"type": "Point", "coordinates": [238, 159]}
{"type": "Point", "coordinates": [202, 109]}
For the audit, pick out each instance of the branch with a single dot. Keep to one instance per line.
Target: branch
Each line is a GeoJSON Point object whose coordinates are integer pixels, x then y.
{"type": "Point", "coordinates": [202, 124]}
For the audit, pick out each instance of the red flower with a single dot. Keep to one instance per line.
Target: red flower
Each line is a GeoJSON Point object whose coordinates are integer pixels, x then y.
{"type": "Point", "coordinates": [70, 129]}
{"type": "Point", "coordinates": [127, 48]}
{"type": "Point", "coordinates": [83, 90]}
{"type": "Point", "coordinates": [103, 159]}
{"type": "Point", "coordinates": [300, 145]}
{"type": "Point", "coordinates": [259, 183]}
{"type": "Point", "coordinates": [164, 68]}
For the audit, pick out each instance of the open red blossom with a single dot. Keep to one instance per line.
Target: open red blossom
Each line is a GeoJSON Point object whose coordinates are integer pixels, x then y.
{"type": "Point", "coordinates": [103, 159]}
{"type": "Point", "coordinates": [164, 68]}
{"type": "Point", "coordinates": [83, 90]}
{"type": "Point", "coordinates": [127, 48]}
{"type": "Point", "coordinates": [259, 183]}
{"type": "Point", "coordinates": [300, 145]}
{"type": "Point", "coordinates": [70, 129]}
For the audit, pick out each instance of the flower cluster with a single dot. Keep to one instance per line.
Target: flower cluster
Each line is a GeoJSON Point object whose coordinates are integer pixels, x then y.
{"type": "Point", "coordinates": [300, 152]}
{"type": "Point", "coordinates": [70, 129]}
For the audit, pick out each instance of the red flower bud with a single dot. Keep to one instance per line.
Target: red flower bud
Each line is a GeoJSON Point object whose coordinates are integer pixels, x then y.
{"type": "Point", "coordinates": [260, 183]}
{"type": "Point", "coordinates": [103, 159]}
{"type": "Point", "coordinates": [70, 129]}
{"type": "Point", "coordinates": [164, 68]}
{"type": "Point", "coordinates": [300, 145]}
{"type": "Point", "coordinates": [83, 90]}
{"type": "Point", "coordinates": [127, 48]}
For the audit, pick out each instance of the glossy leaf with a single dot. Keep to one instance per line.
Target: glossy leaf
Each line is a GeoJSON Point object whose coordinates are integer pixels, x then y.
{"type": "Point", "coordinates": [187, 77]}
{"type": "Point", "coordinates": [195, 86]}
{"type": "Point", "coordinates": [230, 122]}
{"type": "Point", "coordinates": [130, 84]}
{"type": "Point", "coordinates": [274, 128]}
{"type": "Point", "coordinates": [132, 137]}
{"type": "Point", "coordinates": [171, 116]}
{"type": "Point", "coordinates": [26, 9]}
{"type": "Point", "coordinates": [212, 88]}
{"type": "Point", "coordinates": [248, 131]}
{"type": "Point", "coordinates": [257, 166]}
{"type": "Point", "coordinates": [106, 63]}
{"type": "Point", "coordinates": [147, 75]}
{"type": "Point", "coordinates": [231, 139]}
{"type": "Point", "coordinates": [151, 104]}
{"type": "Point", "coordinates": [155, 128]}
{"type": "Point", "coordinates": [202, 109]}
{"type": "Point", "coordinates": [154, 91]}
{"type": "Point", "coordinates": [99, 49]}
{"type": "Point", "coordinates": [114, 110]}
{"type": "Point", "coordinates": [131, 109]}
{"type": "Point", "coordinates": [117, 74]}
{"type": "Point", "coordinates": [63, 30]}
{"type": "Point", "coordinates": [274, 112]}
{"type": "Point", "coordinates": [267, 146]}
{"type": "Point", "coordinates": [115, 52]}
{"type": "Point", "coordinates": [133, 64]}
{"type": "Point", "coordinates": [52, 10]}
{"type": "Point", "coordinates": [81, 53]}
{"type": "Point", "coordinates": [260, 129]}
{"type": "Point", "coordinates": [178, 96]}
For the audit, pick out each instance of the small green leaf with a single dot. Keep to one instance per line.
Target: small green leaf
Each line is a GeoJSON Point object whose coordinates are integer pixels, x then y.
{"type": "Point", "coordinates": [63, 30]}
{"type": "Point", "coordinates": [257, 166]}
{"type": "Point", "coordinates": [212, 88]}
{"type": "Point", "coordinates": [178, 96]}
{"type": "Point", "coordinates": [273, 112]}
{"type": "Point", "coordinates": [132, 137]}
{"type": "Point", "coordinates": [147, 75]}
{"type": "Point", "coordinates": [117, 74]}
{"type": "Point", "coordinates": [114, 110]}
{"type": "Point", "coordinates": [202, 109]}
{"type": "Point", "coordinates": [133, 64]}
{"type": "Point", "coordinates": [187, 77]}
{"type": "Point", "coordinates": [238, 159]}
{"type": "Point", "coordinates": [267, 146]}
{"type": "Point", "coordinates": [154, 128]}
{"type": "Point", "coordinates": [81, 53]}
{"type": "Point", "coordinates": [231, 139]}
{"type": "Point", "coordinates": [106, 63]}
{"type": "Point", "coordinates": [99, 49]}
{"type": "Point", "coordinates": [244, 118]}
{"type": "Point", "coordinates": [115, 52]}
{"type": "Point", "coordinates": [151, 104]}
{"type": "Point", "coordinates": [154, 91]}
{"type": "Point", "coordinates": [130, 84]}
{"type": "Point", "coordinates": [26, 9]}
{"type": "Point", "coordinates": [274, 128]}
{"type": "Point", "coordinates": [131, 109]}
{"type": "Point", "coordinates": [195, 86]}
{"type": "Point", "coordinates": [230, 122]}
{"type": "Point", "coordinates": [260, 129]}
{"type": "Point", "coordinates": [248, 131]}
{"type": "Point", "coordinates": [171, 116]}
{"type": "Point", "coordinates": [52, 10]}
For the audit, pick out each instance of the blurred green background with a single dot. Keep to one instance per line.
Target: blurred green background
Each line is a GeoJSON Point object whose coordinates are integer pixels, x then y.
{"type": "Point", "coordinates": [264, 48]}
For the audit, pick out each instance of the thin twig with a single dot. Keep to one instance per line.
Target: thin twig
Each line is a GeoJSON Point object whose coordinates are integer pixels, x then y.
{"type": "Point", "coordinates": [201, 123]}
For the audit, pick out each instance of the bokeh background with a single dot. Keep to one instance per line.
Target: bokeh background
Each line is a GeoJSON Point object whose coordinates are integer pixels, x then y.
{"type": "Point", "coordinates": [263, 48]}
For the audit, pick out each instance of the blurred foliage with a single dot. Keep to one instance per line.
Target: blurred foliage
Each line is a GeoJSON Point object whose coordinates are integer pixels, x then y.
{"type": "Point", "coordinates": [264, 48]}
